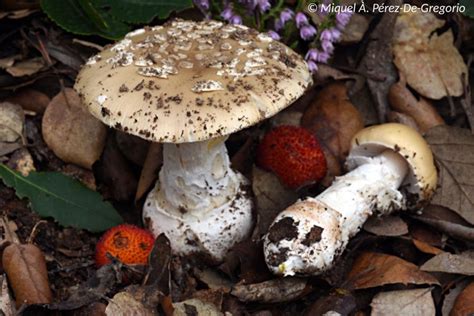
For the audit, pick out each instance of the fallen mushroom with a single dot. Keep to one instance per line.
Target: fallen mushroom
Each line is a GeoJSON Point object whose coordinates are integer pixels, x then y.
{"type": "Point", "coordinates": [391, 167]}
{"type": "Point", "coordinates": [188, 85]}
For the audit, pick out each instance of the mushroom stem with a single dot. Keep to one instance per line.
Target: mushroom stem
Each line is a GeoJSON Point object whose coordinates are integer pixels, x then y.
{"type": "Point", "coordinates": [199, 202]}
{"type": "Point", "coordinates": [318, 229]}
{"type": "Point", "coordinates": [196, 177]}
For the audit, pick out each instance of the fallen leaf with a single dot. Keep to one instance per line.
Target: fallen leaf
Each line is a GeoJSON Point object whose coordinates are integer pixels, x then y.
{"type": "Point", "coordinates": [213, 279]}
{"type": "Point", "coordinates": [422, 111]}
{"type": "Point", "coordinates": [290, 117]}
{"type": "Point", "coordinates": [386, 226]}
{"type": "Point", "coordinates": [7, 305]}
{"type": "Point", "coordinates": [453, 149]}
{"type": "Point", "coordinates": [25, 267]}
{"type": "Point", "coordinates": [7, 148]}
{"type": "Point", "coordinates": [446, 221]}
{"type": "Point", "coordinates": [115, 171]}
{"type": "Point", "coordinates": [376, 64]}
{"type": "Point", "coordinates": [158, 274]}
{"type": "Point", "coordinates": [134, 148]}
{"type": "Point", "coordinates": [270, 195]}
{"type": "Point", "coordinates": [12, 121]}
{"type": "Point", "coordinates": [9, 61]}
{"type": "Point", "coordinates": [450, 263]}
{"type": "Point", "coordinates": [197, 307]}
{"type": "Point", "coordinates": [215, 297]}
{"type": "Point", "coordinates": [85, 176]}
{"type": "Point", "coordinates": [430, 63]}
{"type": "Point", "coordinates": [124, 304]}
{"type": "Point", "coordinates": [464, 304]}
{"type": "Point", "coordinates": [450, 295]}
{"type": "Point", "coordinates": [272, 291]}
{"type": "Point", "coordinates": [355, 29]}
{"type": "Point", "coordinates": [66, 200]}
{"type": "Point", "coordinates": [22, 162]}
{"type": "Point", "coordinates": [373, 269]}
{"type": "Point", "coordinates": [71, 132]}
{"type": "Point", "coordinates": [406, 302]}
{"type": "Point", "coordinates": [27, 67]}
{"type": "Point", "coordinates": [151, 167]}
{"type": "Point", "coordinates": [340, 301]}
{"type": "Point", "coordinates": [31, 100]}
{"type": "Point", "coordinates": [405, 119]}
{"type": "Point", "coordinates": [333, 119]}
{"type": "Point", "coordinates": [425, 247]}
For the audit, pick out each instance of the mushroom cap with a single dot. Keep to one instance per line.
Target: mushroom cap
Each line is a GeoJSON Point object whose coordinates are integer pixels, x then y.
{"type": "Point", "coordinates": [420, 183]}
{"type": "Point", "coordinates": [189, 81]}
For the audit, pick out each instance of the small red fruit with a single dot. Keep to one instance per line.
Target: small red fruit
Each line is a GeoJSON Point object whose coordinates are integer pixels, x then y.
{"type": "Point", "coordinates": [128, 243]}
{"type": "Point", "coordinates": [293, 154]}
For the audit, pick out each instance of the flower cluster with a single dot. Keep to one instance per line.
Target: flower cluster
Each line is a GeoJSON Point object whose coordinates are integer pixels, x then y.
{"type": "Point", "coordinates": [320, 36]}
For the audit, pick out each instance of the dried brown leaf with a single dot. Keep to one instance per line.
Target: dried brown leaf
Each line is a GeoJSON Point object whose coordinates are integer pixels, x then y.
{"type": "Point", "coordinates": [355, 29]}
{"type": "Point", "coordinates": [272, 291]}
{"type": "Point", "coordinates": [425, 247]}
{"type": "Point", "coordinates": [83, 175]}
{"type": "Point", "coordinates": [422, 111]}
{"type": "Point", "coordinates": [397, 117]}
{"type": "Point", "coordinates": [406, 302]}
{"type": "Point", "coordinates": [25, 267]}
{"type": "Point", "coordinates": [372, 269]}
{"type": "Point", "coordinates": [31, 100]}
{"type": "Point", "coordinates": [22, 162]}
{"type": "Point", "coordinates": [450, 297]}
{"type": "Point", "coordinates": [7, 305]}
{"type": "Point", "coordinates": [377, 62]}
{"type": "Point", "coordinates": [12, 120]}
{"type": "Point", "coordinates": [333, 119]}
{"type": "Point", "coordinates": [464, 304]}
{"type": "Point", "coordinates": [71, 131]}
{"type": "Point", "coordinates": [450, 263]}
{"type": "Point", "coordinates": [27, 67]}
{"type": "Point", "coordinates": [386, 226]}
{"type": "Point", "coordinates": [134, 148]}
{"type": "Point", "coordinates": [151, 166]}
{"type": "Point", "coordinates": [195, 306]}
{"type": "Point", "coordinates": [270, 195]}
{"type": "Point", "coordinates": [430, 62]}
{"type": "Point", "coordinates": [453, 149]}
{"type": "Point", "coordinates": [124, 304]}
{"type": "Point", "coordinates": [340, 301]}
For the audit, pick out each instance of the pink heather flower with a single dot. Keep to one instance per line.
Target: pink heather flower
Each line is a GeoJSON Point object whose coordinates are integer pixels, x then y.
{"type": "Point", "coordinates": [264, 5]}
{"type": "Point", "coordinates": [335, 33]}
{"type": "Point", "coordinates": [301, 19]}
{"type": "Point", "coordinates": [274, 35]}
{"type": "Point", "coordinates": [326, 35]}
{"type": "Point", "coordinates": [203, 4]}
{"type": "Point", "coordinates": [307, 32]}
{"type": "Point", "coordinates": [322, 57]}
{"type": "Point", "coordinates": [342, 19]}
{"type": "Point", "coordinates": [236, 19]}
{"type": "Point", "coordinates": [312, 54]}
{"type": "Point", "coordinates": [227, 13]}
{"type": "Point", "coordinates": [312, 66]}
{"type": "Point", "coordinates": [327, 46]}
{"type": "Point", "coordinates": [285, 16]}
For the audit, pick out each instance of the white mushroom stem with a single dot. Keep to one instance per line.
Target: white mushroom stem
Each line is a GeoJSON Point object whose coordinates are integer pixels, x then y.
{"type": "Point", "coordinates": [321, 227]}
{"type": "Point", "coordinates": [199, 202]}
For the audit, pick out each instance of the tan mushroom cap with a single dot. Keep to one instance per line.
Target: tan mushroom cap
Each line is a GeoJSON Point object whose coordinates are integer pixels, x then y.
{"type": "Point", "coordinates": [190, 81]}
{"type": "Point", "coordinates": [421, 181]}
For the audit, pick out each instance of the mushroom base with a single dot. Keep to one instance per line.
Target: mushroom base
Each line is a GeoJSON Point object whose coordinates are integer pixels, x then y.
{"type": "Point", "coordinates": [309, 235]}
{"type": "Point", "coordinates": [211, 232]}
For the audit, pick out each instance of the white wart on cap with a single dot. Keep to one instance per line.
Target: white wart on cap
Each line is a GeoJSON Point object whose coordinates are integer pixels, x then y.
{"type": "Point", "coordinates": [189, 81]}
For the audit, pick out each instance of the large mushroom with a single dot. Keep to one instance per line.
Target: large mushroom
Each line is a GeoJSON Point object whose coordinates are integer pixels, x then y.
{"type": "Point", "coordinates": [188, 85]}
{"type": "Point", "coordinates": [391, 167]}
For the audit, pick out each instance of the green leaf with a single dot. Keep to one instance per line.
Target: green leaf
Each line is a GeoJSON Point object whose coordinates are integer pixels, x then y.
{"type": "Point", "coordinates": [111, 19]}
{"type": "Point", "coordinates": [66, 200]}
{"type": "Point", "coordinates": [142, 11]}
{"type": "Point", "coordinates": [469, 5]}
{"type": "Point", "coordinates": [77, 16]}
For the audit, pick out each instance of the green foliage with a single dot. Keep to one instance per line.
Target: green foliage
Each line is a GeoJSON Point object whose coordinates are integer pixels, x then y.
{"type": "Point", "coordinates": [66, 200]}
{"type": "Point", "coordinates": [111, 19]}
{"type": "Point", "coordinates": [469, 5]}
